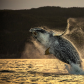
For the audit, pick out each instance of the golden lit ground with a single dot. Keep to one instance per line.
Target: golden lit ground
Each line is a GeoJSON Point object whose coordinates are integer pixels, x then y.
{"type": "Point", "coordinates": [36, 71]}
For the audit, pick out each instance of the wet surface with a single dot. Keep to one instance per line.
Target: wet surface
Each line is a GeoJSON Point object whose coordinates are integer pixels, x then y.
{"type": "Point", "coordinates": [36, 71]}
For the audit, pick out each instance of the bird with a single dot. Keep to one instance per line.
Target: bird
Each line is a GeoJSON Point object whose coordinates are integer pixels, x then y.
{"type": "Point", "coordinates": [57, 45]}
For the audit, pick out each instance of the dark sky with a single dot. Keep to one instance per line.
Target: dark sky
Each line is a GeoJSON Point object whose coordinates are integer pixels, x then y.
{"type": "Point", "coordinates": [27, 4]}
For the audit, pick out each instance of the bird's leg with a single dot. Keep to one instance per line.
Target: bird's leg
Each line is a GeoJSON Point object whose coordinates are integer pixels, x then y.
{"type": "Point", "coordinates": [47, 51]}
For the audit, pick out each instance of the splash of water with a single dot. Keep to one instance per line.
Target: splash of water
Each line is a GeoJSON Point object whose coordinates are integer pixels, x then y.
{"type": "Point", "coordinates": [35, 51]}
{"type": "Point", "coordinates": [74, 69]}
{"type": "Point", "coordinates": [74, 32]}
{"type": "Point", "coordinates": [75, 27]}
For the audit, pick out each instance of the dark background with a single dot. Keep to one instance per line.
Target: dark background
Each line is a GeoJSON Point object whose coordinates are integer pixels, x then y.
{"type": "Point", "coordinates": [15, 25]}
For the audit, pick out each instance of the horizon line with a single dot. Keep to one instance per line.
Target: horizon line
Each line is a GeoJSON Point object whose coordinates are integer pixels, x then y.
{"type": "Point", "coordinates": [41, 7]}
